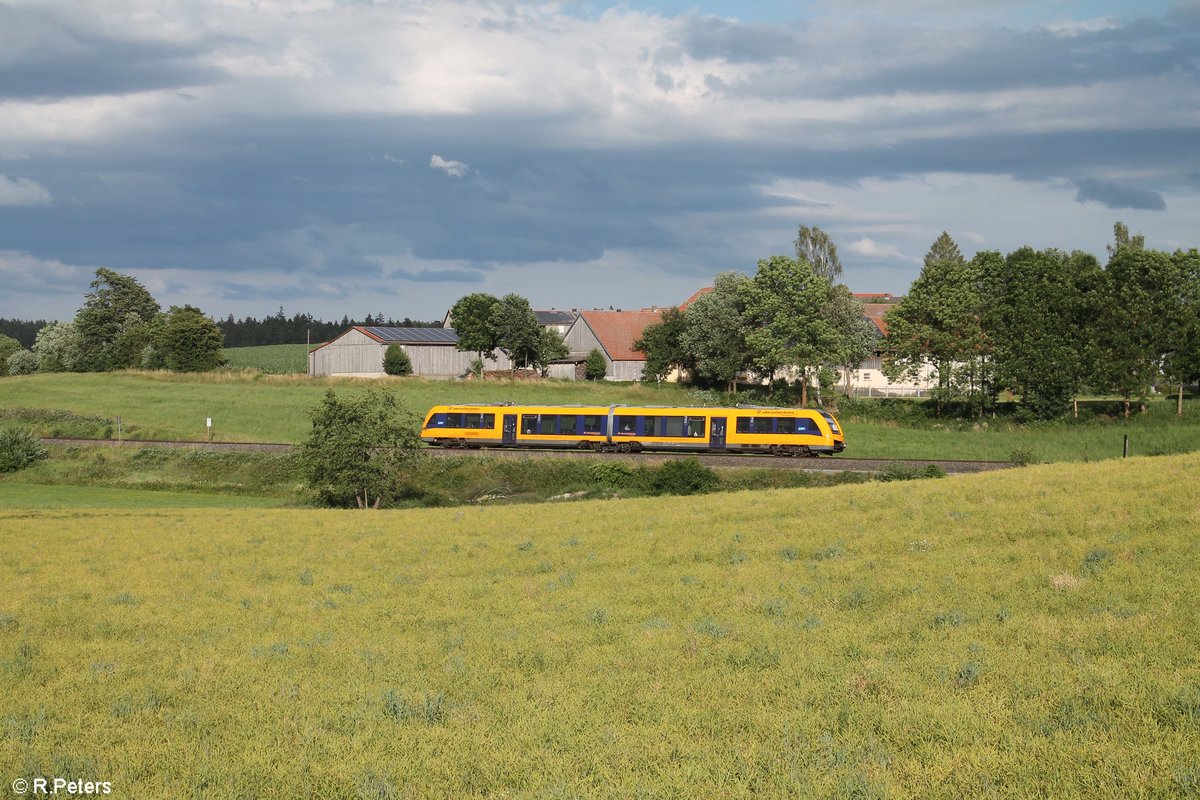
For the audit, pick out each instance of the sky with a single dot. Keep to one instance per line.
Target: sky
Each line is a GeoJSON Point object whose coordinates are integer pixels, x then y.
{"type": "Point", "coordinates": [353, 157]}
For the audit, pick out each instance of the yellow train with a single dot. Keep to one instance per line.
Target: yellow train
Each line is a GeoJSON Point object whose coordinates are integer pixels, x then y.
{"type": "Point", "coordinates": [630, 429]}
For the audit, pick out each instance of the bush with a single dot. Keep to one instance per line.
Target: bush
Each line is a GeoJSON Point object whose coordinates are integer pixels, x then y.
{"type": "Point", "coordinates": [22, 362]}
{"type": "Point", "coordinates": [396, 361]}
{"type": "Point", "coordinates": [358, 448]}
{"type": "Point", "coordinates": [683, 476]}
{"type": "Point", "coordinates": [19, 448]}
{"type": "Point", "coordinates": [594, 366]}
{"type": "Point", "coordinates": [190, 341]}
{"type": "Point", "coordinates": [8, 346]}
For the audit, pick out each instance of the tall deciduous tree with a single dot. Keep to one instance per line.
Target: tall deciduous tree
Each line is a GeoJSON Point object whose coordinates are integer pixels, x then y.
{"type": "Point", "coordinates": [817, 248]}
{"type": "Point", "coordinates": [57, 348]}
{"type": "Point", "coordinates": [783, 314]}
{"type": "Point", "coordinates": [516, 330]}
{"type": "Point", "coordinates": [189, 341]}
{"type": "Point", "coordinates": [1122, 238]}
{"type": "Point", "coordinates": [1182, 363]}
{"type": "Point", "coordinates": [663, 344]}
{"type": "Point", "coordinates": [104, 319]}
{"type": "Point", "coordinates": [1036, 316]}
{"type": "Point", "coordinates": [854, 337]}
{"type": "Point", "coordinates": [937, 325]}
{"type": "Point", "coordinates": [715, 335]}
{"type": "Point", "coordinates": [550, 347]}
{"type": "Point", "coordinates": [1140, 310]}
{"type": "Point", "coordinates": [472, 320]}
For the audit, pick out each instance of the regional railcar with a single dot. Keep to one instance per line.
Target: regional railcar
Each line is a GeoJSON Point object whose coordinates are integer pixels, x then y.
{"type": "Point", "coordinates": [619, 428]}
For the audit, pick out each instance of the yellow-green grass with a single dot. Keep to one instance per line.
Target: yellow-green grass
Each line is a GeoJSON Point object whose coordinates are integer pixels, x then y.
{"type": "Point", "coordinates": [278, 359]}
{"type": "Point", "coordinates": [1031, 633]}
{"type": "Point", "coordinates": [34, 496]}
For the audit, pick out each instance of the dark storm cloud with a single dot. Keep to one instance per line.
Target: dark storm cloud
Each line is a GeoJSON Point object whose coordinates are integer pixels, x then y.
{"type": "Point", "coordinates": [47, 59]}
{"type": "Point", "coordinates": [715, 38]}
{"type": "Point", "coordinates": [1117, 195]}
{"type": "Point", "coordinates": [892, 61]}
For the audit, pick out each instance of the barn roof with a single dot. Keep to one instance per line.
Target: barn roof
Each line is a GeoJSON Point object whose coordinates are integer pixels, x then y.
{"type": "Point", "coordinates": [874, 312]}
{"type": "Point", "coordinates": [618, 330]}
{"type": "Point", "coordinates": [410, 335]}
{"type": "Point", "coordinates": [696, 296]}
{"type": "Point", "coordinates": [555, 317]}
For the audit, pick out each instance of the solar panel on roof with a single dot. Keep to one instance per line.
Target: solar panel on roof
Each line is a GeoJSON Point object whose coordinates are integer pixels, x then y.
{"type": "Point", "coordinates": [414, 335]}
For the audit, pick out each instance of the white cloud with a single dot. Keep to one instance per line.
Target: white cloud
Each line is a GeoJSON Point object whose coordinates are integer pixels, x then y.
{"type": "Point", "coordinates": [23, 192]}
{"type": "Point", "coordinates": [869, 248]}
{"type": "Point", "coordinates": [455, 169]}
{"type": "Point", "coordinates": [393, 160]}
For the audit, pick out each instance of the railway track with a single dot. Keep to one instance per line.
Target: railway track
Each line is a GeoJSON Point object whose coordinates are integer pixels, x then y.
{"type": "Point", "coordinates": [839, 463]}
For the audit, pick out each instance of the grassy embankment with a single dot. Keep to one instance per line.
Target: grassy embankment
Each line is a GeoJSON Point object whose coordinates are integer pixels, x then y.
{"type": "Point", "coordinates": [1030, 633]}
{"type": "Point", "coordinates": [249, 407]}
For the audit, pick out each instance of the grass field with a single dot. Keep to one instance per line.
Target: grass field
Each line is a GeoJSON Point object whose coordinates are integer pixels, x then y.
{"type": "Point", "coordinates": [249, 407]}
{"type": "Point", "coordinates": [1030, 633]}
{"type": "Point", "coordinates": [274, 359]}
{"type": "Point", "coordinates": [14, 495]}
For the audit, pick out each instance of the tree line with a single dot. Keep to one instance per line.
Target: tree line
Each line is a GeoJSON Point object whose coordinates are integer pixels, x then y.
{"type": "Point", "coordinates": [119, 326]}
{"type": "Point", "coordinates": [790, 317]}
{"type": "Point", "coordinates": [1047, 325]}
{"type": "Point", "coordinates": [1042, 325]}
{"type": "Point", "coordinates": [279, 328]}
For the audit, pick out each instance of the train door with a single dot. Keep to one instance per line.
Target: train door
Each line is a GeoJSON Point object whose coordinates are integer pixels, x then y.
{"type": "Point", "coordinates": [716, 436]}
{"type": "Point", "coordinates": [510, 429]}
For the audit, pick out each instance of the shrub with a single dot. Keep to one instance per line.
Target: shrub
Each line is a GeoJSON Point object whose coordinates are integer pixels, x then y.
{"type": "Point", "coordinates": [683, 476]}
{"type": "Point", "coordinates": [8, 346]}
{"type": "Point", "coordinates": [396, 361]}
{"type": "Point", "coordinates": [22, 362]}
{"type": "Point", "coordinates": [1021, 458]}
{"type": "Point", "coordinates": [610, 473]}
{"type": "Point", "coordinates": [19, 448]}
{"type": "Point", "coordinates": [595, 367]}
{"type": "Point", "coordinates": [190, 341]}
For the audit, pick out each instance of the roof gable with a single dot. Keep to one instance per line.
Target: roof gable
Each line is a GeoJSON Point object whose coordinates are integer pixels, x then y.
{"type": "Point", "coordinates": [618, 330]}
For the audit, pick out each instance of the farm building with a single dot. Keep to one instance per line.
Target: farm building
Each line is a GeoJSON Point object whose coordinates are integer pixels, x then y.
{"type": "Point", "coordinates": [613, 333]}
{"type": "Point", "coordinates": [551, 319]}
{"type": "Point", "coordinates": [358, 353]}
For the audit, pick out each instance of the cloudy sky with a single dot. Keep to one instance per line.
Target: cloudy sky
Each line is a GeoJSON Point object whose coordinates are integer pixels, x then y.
{"type": "Point", "coordinates": [354, 157]}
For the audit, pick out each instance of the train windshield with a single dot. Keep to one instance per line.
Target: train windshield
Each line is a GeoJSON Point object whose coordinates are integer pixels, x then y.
{"type": "Point", "coordinates": [833, 426]}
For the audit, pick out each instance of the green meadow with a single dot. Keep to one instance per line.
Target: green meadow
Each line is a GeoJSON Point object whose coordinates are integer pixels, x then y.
{"type": "Point", "coordinates": [252, 406]}
{"type": "Point", "coordinates": [1029, 633]}
{"type": "Point", "coordinates": [274, 359]}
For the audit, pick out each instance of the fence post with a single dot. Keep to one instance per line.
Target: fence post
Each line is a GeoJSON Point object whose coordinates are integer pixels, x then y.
{"type": "Point", "coordinates": [1125, 447]}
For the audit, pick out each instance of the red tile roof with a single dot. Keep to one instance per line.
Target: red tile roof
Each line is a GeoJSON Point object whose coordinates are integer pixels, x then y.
{"type": "Point", "coordinates": [618, 330]}
{"type": "Point", "coordinates": [875, 312]}
{"type": "Point", "coordinates": [683, 306]}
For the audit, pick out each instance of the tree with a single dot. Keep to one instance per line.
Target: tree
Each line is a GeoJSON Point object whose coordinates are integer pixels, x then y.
{"type": "Point", "coordinates": [715, 335]}
{"type": "Point", "coordinates": [396, 361]}
{"type": "Point", "coordinates": [1182, 363]}
{"type": "Point", "coordinates": [105, 317]}
{"type": "Point", "coordinates": [814, 246]}
{"type": "Point", "coordinates": [944, 249]}
{"type": "Point", "coordinates": [8, 346]}
{"type": "Point", "coordinates": [783, 314]}
{"type": "Point", "coordinates": [937, 325]}
{"type": "Point", "coordinates": [854, 337]}
{"type": "Point", "coordinates": [516, 329]}
{"type": "Point", "coordinates": [1035, 316]}
{"type": "Point", "coordinates": [357, 448]}
{"type": "Point", "coordinates": [472, 319]}
{"type": "Point", "coordinates": [663, 344]}
{"type": "Point", "coordinates": [1122, 239]}
{"type": "Point", "coordinates": [190, 341]}
{"type": "Point", "coordinates": [549, 348]}
{"type": "Point", "coordinates": [57, 348]}
{"type": "Point", "coordinates": [22, 362]}
{"type": "Point", "coordinates": [595, 366]}
{"type": "Point", "coordinates": [1139, 317]}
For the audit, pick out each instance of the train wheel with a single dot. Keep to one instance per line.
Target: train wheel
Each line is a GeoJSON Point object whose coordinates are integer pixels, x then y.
{"type": "Point", "coordinates": [623, 447]}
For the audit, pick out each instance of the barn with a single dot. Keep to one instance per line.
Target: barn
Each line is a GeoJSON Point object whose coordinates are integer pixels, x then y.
{"type": "Point", "coordinates": [358, 353]}
{"type": "Point", "coordinates": [613, 334]}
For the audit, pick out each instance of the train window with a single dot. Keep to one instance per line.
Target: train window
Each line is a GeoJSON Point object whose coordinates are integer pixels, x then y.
{"type": "Point", "coordinates": [626, 425]}
{"type": "Point", "coordinates": [593, 423]}
{"type": "Point", "coordinates": [436, 421]}
{"type": "Point", "coordinates": [568, 425]}
{"type": "Point", "coordinates": [695, 427]}
{"type": "Point", "coordinates": [833, 426]}
{"type": "Point", "coordinates": [547, 424]}
{"type": "Point", "coordinates": [476, 421]}
{"type": "Point", "coordinates": [745, 424]}
{"type": "Point", "coordinates": [800, 425]}
{"type": "Point", "coordinates": [673, 426]}
{"type": "Point", "coordinates": [754, 424]}
{"type": "Point", "coordinates": [529, 423]}
{"type": "Point", "coordinates": [454, 420]}
{"type": "Point", "coordinates": [651, 424]}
